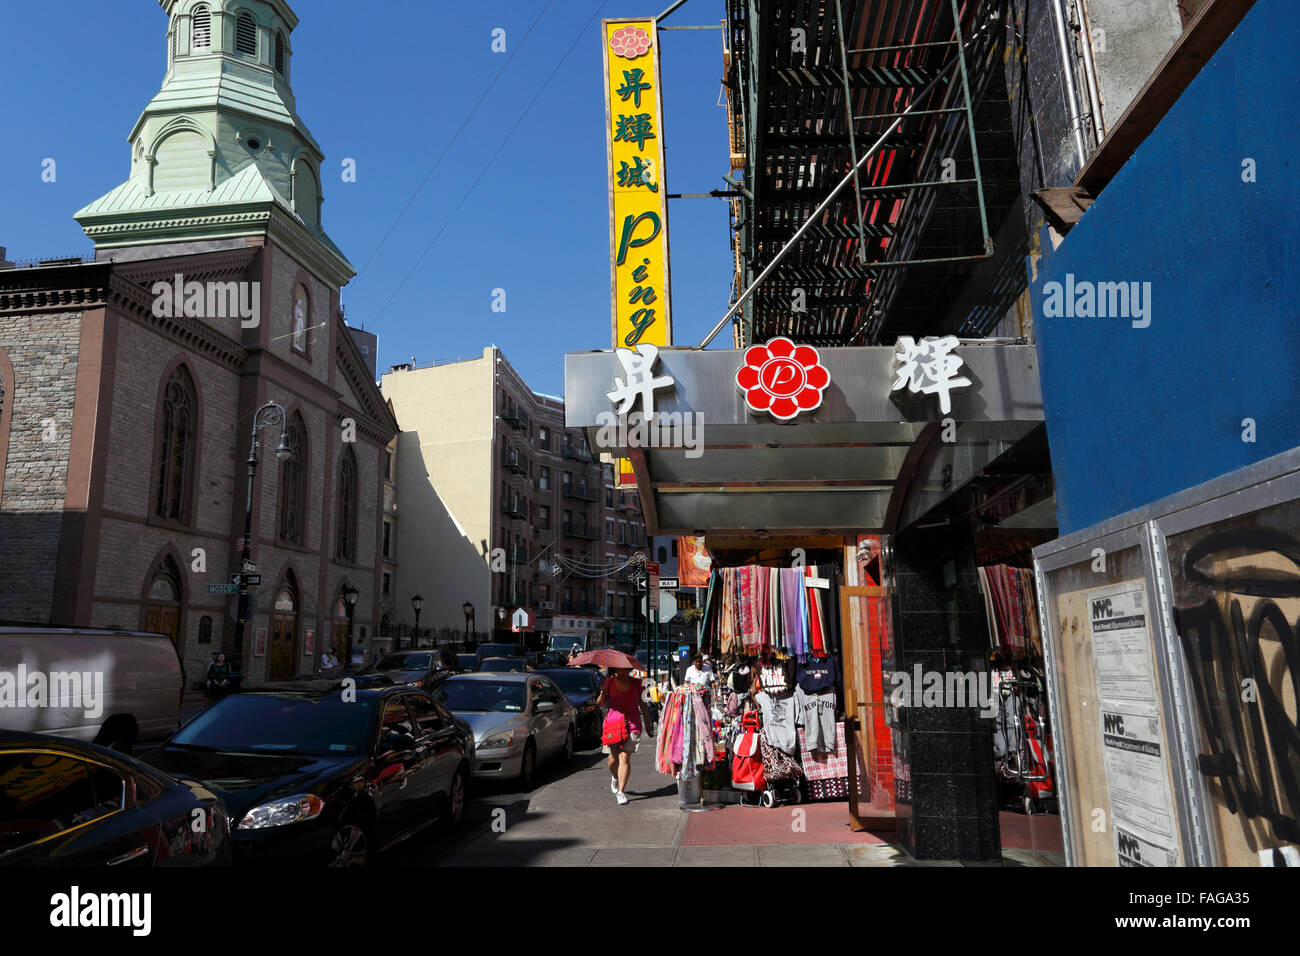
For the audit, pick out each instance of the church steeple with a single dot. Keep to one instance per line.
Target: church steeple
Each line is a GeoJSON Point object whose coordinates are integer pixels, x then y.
{"type": "Point", "coordinates": [220, 151]}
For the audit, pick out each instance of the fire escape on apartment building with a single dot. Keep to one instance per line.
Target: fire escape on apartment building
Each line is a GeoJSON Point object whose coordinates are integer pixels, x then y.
{"type": "Point", "coordinates": [911, 94]}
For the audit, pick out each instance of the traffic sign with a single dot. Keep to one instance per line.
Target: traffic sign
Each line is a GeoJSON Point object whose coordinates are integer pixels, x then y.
{"type": "Point", "coordinates": [667, 605]}
{"type": "Point", "coordinates": [223, 588]}
{"type": "Point", "coordinates": [652, 583]}
{"type": "Point", "coordinates": [669, 584]}
{"type": "Point", "coordinates": [251, 580]}
{"type": "Point", "coordinates": [249, 567]}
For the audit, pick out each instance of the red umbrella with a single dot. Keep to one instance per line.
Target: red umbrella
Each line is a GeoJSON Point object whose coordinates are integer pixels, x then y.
{"type": "Point", "coordinates": [606, 657]}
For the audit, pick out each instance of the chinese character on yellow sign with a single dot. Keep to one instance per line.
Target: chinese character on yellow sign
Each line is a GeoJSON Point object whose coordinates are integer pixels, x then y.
{"type": "Point", "coordinates": [638, 205]}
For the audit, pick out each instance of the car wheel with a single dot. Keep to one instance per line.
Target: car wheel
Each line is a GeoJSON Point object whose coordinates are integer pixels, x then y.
{"type": "Point", "coordinates": [458, 797]}
{"type": "Point", "coordinates": [350, 846]}
{"type": "Point", "coordinates": [568, 744]}
{"type": "Point", "coordinates": [528, 767]}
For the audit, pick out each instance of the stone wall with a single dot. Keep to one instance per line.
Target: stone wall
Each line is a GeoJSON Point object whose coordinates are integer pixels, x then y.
{"type": "Point", "coordinates": [44, 350]}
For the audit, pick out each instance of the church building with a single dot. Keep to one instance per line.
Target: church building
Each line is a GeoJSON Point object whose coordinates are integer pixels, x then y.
{"type": "Point", "coordinates": [132, 384]}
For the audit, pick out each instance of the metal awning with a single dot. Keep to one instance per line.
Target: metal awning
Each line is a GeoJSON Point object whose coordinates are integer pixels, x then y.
{"type": "Point", "coordinates": [713, 465]}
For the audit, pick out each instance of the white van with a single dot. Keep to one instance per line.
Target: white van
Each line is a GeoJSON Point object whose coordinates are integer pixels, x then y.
{"type": "Point", "coordinates": [112, 688]}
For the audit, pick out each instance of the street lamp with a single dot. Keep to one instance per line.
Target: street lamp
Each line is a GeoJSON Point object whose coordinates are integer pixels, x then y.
{"type": "Point", "coordinates": [417, 602]}
{"type": "Point", "coordinates": [269, 415]}
{"type": "Point", "coordinates": [469, 616]}
{"type": "Point", "coordinates": [350, 595]}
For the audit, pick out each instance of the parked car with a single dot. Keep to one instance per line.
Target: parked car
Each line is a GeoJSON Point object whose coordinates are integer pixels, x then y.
{"type": "Point", "coordinates": [468, 663]}
{"type": "Point", "coordinates": [497, 650]}
{"type": "Point", "coordinates": [503, 664]}
{"type": "Point", "coordinates": [411, 668]}
{"type": "Point", "coordinates": [663, 658]}
{"type": "Point", "coordinates": [518, 719]}
{"type": "Point", "coordinates": [67, 803]}
{"type": "Point", "coordinates": [314, 776]}
{"type": "Point", "coordinates": [582, 687]}
{"type": "Point", "coordinates": [113, 688]}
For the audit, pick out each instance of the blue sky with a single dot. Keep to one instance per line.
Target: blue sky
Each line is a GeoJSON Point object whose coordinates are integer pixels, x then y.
{"type": "Point", "coordinates": [388, 83]}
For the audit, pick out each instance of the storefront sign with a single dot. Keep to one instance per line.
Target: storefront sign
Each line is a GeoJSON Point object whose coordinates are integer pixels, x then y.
{"type": "Point", "coordinates": [782, 378]}
{"type": "Point", "coordinates": [638, 205]}
{"type": "Point", "coordinates": [641, 381]}
{"type": "Point", "coordinates": [928, 367]}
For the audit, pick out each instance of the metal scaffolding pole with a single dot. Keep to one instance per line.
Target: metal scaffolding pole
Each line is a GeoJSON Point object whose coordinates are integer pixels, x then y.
{"type": "Point", "coordinates": [848, 118]}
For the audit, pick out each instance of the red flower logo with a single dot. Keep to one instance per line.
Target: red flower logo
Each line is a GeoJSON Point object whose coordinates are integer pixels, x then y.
{"type": "Point", "coordinates": [629, 42]}
{"type": "Point", "coordinates": [782, 378]}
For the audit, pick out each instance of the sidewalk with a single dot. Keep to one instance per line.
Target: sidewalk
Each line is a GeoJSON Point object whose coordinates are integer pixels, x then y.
{"type": "Point", "coordinates": [575, 821]}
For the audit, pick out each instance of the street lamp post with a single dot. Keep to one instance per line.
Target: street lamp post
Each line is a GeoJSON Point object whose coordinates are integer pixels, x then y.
{"type": "Point", "coordinates": [274, 415]}
{"type": "Point", "coordinates": [469, 616]}
{"type": "Point", "coordinates": [350, 595]}
{"type": "Point", "coordinates": [417, 602]}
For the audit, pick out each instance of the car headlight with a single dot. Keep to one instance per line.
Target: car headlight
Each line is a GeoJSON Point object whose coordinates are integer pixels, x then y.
{"type": "Point", "coordinates": [498, 741]}
{"type": "Point", "coordinates": [277, 813]}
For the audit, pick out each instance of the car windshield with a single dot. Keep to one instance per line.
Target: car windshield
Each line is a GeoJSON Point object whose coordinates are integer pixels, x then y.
{"type": "Point", "coordinates": [405, 662]}
{"type": "Point", "coordinates": [503, 664]}
{"type": "Point", "coordinates": [261, 723]}
{"type": "Point", "coordinates": [496, 650]}
{"type": "Point", "coordinates": [482, 695]}
{"type": "Point", "coordinates": [573, 682]}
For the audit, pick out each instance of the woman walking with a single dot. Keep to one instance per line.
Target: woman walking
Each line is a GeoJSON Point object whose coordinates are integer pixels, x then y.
{"type": "Point", "coordinates": [621, 694]}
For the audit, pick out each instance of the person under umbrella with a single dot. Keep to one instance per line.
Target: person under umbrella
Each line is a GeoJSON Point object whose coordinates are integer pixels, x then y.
{"type": "Point", "coordinates": [620, 695]}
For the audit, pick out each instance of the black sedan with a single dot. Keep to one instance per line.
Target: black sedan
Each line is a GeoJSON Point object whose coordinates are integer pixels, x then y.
{"type": "Point", "coordinates": [326, 776]}
{"type": "Point", "coordinates": [410, 669]}
{"type": "Point", "coordinates": [503, 665]}
{"type": "Point", "coordinates": [64, 803]}
{"type": "Point", "coordinates": [582, 687]}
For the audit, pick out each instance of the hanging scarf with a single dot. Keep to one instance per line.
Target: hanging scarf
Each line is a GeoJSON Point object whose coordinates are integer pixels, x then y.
{"type": "Point", "coordinates": [816, 621]}
{"type": "Point", "coordinates": [794, 613]}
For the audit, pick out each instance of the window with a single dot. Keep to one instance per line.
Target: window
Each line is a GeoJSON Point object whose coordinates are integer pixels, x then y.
{"type": "Point", "coordinates": [387, 585]}
{"type": "Point", "coordinates": [177, 448]}
{"type": "Point", "coordinates": [301, 319]}
{"type": "Point", "coordinates": [279, 52]}
{"type": "Point", "coordinates": [609, 497]}
{"type": "Point", "coordinates": [388, 465]}
{"type": "Point", "coordinates": [663, 555]}
{"type": "Point", "coordinates": [609, 604]}
{"type": "Point", "coordinates": [345, 545]}
{"type": "Point", "coordinates": [544, 481]}
{"type": "Point", "coordinates": [609, 531]}
{"type": "Point", "coordinates": [246, 35]}
{"type": "Point", "coordinates": [622, 532]}
{"type": "Point", "coordinates": [293, 483]}
{"type": "Point", "coordinates": [200, 29]}
{"type": "Point", "coordinates": [674, 547]}
{"type": "Point", "coordinates": [46, 794]}
{"type": "Point", "coordinates": [388, 539]}
{"type": "Point", "coordinates": [544, 517]}
{"type": "Point", "coordinates": [205, 630]}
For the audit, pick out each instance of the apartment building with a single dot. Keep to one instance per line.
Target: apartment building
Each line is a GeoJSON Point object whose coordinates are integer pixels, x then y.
{"type": "Point", "coordinates": [503, 507]}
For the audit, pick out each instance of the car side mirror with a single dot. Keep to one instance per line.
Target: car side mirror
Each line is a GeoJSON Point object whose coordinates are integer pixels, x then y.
{"type": "Point", "coordinates": [543, 706]}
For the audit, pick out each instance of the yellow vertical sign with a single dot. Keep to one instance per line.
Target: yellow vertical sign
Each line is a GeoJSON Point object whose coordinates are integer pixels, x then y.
{"type": "Point", "coordinates": [638, 205]}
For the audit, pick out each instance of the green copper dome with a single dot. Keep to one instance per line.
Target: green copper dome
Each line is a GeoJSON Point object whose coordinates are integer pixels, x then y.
{"type": "Point", "coordinates": [220, 151]}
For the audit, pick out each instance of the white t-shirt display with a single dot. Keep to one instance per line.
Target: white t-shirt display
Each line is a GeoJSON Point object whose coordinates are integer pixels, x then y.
{"type": "Point", "coordinates": [702, 676]}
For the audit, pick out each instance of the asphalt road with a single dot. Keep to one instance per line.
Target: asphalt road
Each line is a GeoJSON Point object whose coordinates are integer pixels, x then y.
{"type": "Point", "coordinates": [437, 845]}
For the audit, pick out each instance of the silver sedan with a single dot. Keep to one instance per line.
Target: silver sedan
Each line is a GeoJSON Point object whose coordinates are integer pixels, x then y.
{"type": "Point", "coordinates": [518, 720]}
